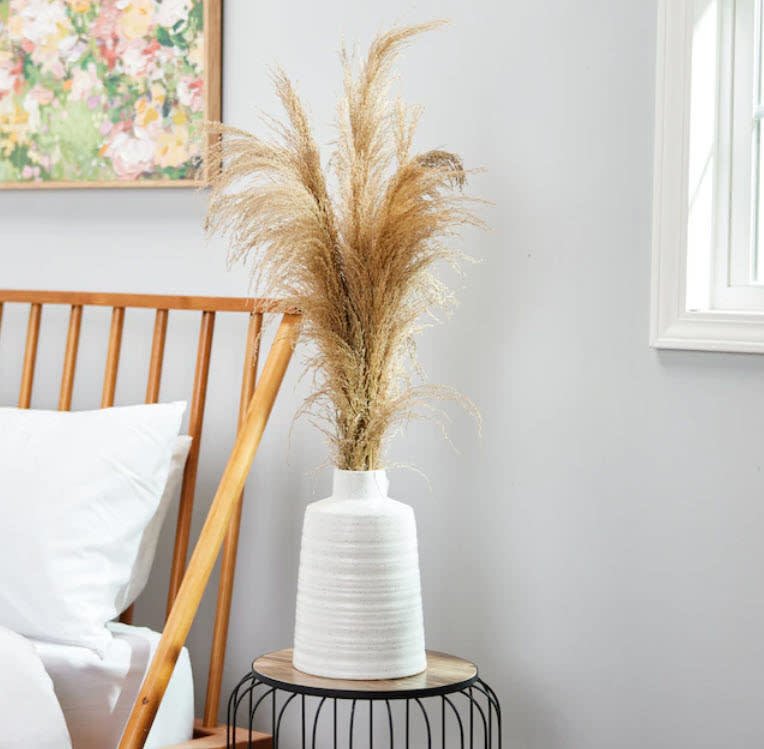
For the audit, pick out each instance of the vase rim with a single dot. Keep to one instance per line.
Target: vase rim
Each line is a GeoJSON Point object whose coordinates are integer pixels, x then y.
{"type": "Point", "coordinates": [353, 470]}
{"type": "Point", "coordinates": [359, 484]}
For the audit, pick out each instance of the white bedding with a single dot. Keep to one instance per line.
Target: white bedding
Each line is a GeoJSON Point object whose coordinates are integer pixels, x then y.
{"type": "Point", "coordinates": [29, 711]}
{"type": "Point", "coordinates": [96, 694]}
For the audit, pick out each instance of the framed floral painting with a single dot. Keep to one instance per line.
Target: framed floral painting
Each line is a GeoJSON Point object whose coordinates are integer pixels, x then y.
{"type": "Point", "coordinates": [107, 93]}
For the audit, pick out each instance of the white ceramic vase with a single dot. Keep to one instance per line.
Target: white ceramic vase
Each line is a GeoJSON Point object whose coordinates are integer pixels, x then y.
{"type": "Point", "coordinates": [359, 601]}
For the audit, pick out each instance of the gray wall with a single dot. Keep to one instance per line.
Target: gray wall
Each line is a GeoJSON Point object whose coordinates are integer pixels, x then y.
{"type": "Point", "coordinates": [599, 552]}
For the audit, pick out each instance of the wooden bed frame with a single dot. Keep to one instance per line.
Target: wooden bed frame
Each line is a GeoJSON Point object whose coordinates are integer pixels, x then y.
{"type": "Point", "coordinates": [221, 527]}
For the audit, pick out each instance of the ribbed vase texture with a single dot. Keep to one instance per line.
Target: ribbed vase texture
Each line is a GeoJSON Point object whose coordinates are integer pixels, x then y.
{"type": "Point", "coordinates": [359, 601]}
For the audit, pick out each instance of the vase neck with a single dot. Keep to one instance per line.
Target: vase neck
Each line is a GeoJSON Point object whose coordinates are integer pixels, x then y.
{"type": "Point", "coordinates": [359, 484]}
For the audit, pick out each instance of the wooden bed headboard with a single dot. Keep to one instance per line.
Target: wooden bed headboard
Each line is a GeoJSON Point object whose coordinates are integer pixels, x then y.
{"type": "Point", "coordinates": [207, 307]}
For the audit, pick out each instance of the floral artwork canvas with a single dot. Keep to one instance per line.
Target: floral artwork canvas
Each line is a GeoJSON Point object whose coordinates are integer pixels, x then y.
{"type": "Point", "coordinates": [107, 93]}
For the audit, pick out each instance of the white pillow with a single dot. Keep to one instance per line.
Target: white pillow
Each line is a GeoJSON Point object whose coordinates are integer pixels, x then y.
{"type": "Point", "coordinates": [77, 491]}
{"type": "Point", "coordinates": [150, 538]}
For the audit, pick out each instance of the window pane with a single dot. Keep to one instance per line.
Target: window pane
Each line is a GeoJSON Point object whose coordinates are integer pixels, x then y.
{"type": "Point", "coordinates": [702, 152]}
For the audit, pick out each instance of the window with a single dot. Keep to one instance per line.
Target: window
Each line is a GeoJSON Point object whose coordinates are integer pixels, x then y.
{"type": "Point", "coordinates": [708, 224]}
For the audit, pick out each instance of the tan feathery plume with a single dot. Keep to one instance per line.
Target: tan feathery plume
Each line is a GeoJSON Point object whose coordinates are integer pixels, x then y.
{"type": "Point", "coordinates": [360, 266]}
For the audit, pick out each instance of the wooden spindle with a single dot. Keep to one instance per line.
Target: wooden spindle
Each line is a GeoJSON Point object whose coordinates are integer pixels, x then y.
{"type": "Point", "coordinates": [157, 356]}
{"type": "Point", "coordinates": [112, 357]}
{"type": "Point", "coordinates": [70, 358]}
{"type": "Point", "coordinates": [231, 542]}
{"type": "Point", "coordinates": [30, 355]}
{"type": "Point", "coordinates": [196, 418]}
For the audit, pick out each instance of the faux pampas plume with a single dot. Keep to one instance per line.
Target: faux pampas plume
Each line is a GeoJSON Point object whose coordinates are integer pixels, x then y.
{"type": "Point", "coordinates": [358, 261]}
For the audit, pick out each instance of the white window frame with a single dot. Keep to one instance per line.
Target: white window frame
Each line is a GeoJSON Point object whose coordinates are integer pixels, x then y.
{"type": "Point", "coordinates": [732, 317]}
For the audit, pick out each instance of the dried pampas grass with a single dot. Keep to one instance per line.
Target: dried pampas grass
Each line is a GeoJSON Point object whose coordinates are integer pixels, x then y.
{"type": "Point", "coordinates": [359, 264]}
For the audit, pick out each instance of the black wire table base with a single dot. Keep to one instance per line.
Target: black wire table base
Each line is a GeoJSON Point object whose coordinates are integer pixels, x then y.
{"type": "Point", "coordinates": [468, 716]}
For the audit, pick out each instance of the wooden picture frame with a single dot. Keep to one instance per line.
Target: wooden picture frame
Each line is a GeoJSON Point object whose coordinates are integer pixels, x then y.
{"type": "Point", "coordinates": [164, 171]}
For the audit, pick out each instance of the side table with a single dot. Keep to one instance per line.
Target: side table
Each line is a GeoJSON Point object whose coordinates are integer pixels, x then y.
{"type": "Point", "coordinates": [448, 704]}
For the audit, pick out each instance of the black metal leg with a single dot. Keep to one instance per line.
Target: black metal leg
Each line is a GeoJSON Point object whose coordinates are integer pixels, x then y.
{"type": "Point", "coordinates": [443, 721]}
{"type": "Point", "coordinates": [426, 722]}
{"type": "Point", "coordinates": [277, 728]}
{"type": "Point", "coordinates": [240, 697]}
{"type": "Point", "coordinates": [257, 705]}
{"type": "Point", "coordinates": [490, 724]}
{"type": "Point", "coordinates": [472, 721]}
{"type": "Point", "coordinates": [496, 705]}
{"type": "Point", "coordinates": [352, 721]}
{"type": "Point", "coordinates": [273, 716]}
{"type": "Point", "coordinates": [448, 702]}
{"type": "Point", "coordinates": [229, 711]}
{"type": "Point", "coordinates": [493, 704]}
{"type": "Point", "coordinates": [490, 691]}
{"type": "Point", "coordinates": [315, 723]}
{"type": "Point", "coordinates": [232, 702]}
{"type": "Point", "coordinates": [474, 703]}
{"type": "Point", "coordinates": [302, 709]}
{"type": "Point", "coordinates": [249, 712]}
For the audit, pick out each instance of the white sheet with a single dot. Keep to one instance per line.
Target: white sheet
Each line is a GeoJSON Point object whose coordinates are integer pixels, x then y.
{"type": "Point", "coordinates": [96, 694]}
{"type": "Point", "coordinates": [29, 711]}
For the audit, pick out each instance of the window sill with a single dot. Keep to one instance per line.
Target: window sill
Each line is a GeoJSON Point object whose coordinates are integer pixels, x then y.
{"type": "Point", "coordinates": [741, 332]}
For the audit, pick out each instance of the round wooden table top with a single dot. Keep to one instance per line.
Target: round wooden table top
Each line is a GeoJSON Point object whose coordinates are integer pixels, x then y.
{"type": "Point", "coordinates": [444, 674]}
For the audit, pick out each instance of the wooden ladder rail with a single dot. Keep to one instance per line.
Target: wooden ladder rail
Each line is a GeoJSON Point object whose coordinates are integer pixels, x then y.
{"type": "Point", "coordinates": [208, 546]}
